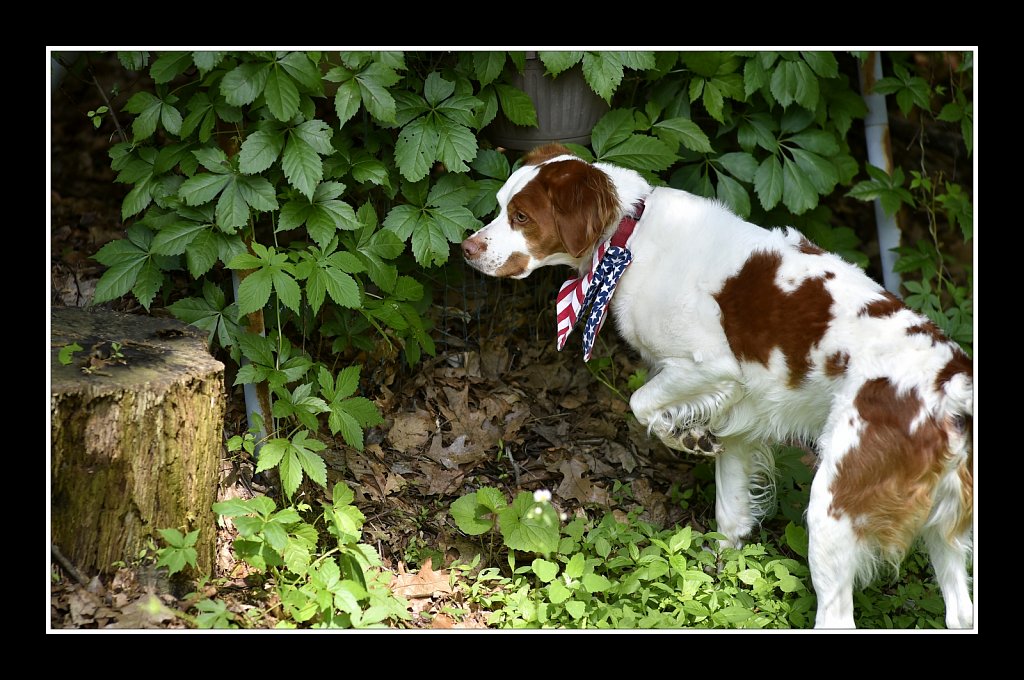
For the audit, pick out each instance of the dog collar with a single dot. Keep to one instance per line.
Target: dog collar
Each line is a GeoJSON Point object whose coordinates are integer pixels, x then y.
{"type": "Point", "coordinates": [594, 289]}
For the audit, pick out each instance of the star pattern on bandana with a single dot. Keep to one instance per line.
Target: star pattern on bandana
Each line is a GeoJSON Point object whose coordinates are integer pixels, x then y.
{"type": "Point", "coordinates": [594, 289]}
{"type": "Point", "coordinates": [613, 266]}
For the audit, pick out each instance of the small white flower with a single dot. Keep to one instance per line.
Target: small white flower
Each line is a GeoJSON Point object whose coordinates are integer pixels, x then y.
{"type": "Point", "coordinates": [541, 496]}
{"type": "Point", "coordinates": [537, 510]}
{"type": "Point", "coordinates": [563, 516]}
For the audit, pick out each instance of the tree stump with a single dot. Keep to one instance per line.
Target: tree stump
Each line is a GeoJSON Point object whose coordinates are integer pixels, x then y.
{"type": "Point", "coordinates": [136, 441]}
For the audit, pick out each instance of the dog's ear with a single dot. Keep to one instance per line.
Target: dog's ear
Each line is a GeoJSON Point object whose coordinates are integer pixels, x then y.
{"type": "Point", "coordinates": [545, 153]}
{"type": "Point", "coordinates": [583, 202]}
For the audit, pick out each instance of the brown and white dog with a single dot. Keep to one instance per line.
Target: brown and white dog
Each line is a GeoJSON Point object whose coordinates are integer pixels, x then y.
{"type": "Point", "coordinates": [761, 337]}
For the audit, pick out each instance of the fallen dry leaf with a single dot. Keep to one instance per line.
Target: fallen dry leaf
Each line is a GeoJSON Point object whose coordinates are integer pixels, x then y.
{"type": "Point", "coordinates": [422, 584]}
{"type": "Point", "coordinates": [411, 430]}
{"type": "Point", "coordinates": [575, 486]}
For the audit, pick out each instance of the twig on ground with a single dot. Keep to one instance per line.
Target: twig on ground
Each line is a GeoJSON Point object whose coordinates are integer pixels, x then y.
{"type": "Point", "coordinates": [68, 566]}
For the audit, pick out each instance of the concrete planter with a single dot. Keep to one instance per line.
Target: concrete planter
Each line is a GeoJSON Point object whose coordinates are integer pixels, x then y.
{"type": "Point", "coordinates": [567, 109]}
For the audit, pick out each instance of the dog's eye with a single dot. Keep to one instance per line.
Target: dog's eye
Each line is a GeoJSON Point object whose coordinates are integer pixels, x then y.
{"type": "Point", "coordinates": [519, 217]}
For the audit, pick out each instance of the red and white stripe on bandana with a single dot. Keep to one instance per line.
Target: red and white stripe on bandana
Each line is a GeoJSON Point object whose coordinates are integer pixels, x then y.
{"type": "Point", "coordinates": [608, 263]}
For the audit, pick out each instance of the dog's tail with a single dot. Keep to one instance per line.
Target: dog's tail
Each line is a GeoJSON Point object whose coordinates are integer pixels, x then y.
{"type": "Point", "coordinates": [953, 511]}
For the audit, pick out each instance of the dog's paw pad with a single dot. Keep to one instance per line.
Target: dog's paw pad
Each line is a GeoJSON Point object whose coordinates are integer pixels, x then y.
{"type": "Point", "coordinates": [693, 440]}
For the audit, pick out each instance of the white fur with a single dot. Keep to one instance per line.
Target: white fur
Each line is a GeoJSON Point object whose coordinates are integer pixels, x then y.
{"type": "Point", "coordinates": [684, 249]}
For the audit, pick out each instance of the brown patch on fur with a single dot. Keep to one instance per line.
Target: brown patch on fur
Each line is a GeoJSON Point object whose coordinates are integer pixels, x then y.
{"type": "Point", "coordinates": [758, 316]}
{"type": "Point", "coordinates": [830, 275]}
{"type": "Point", "coordinates": [888, 305]}
{"type": "Point", "coordinates": [835, 364]}
{"type": "Point", "coordinates": [927, 327]}
{"type": "Point", "coordinates": [966, 474]}
{"type": "Point", "coordinates": [568, 205]}
{"type": "Point", "coordinates": [959, 363]}
{"type": "Point", "coordinates": [514, 265]}
{"type": "Point", "coordinates": [544, 153]}
{"type": "Point", "coordinates": [885, 484]}
{"type": "Point", "coordinates": [808, 248]}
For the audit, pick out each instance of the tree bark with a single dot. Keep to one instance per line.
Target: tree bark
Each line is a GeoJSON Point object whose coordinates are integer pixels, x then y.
{"type": "Point", "coordinates": [135, 442]}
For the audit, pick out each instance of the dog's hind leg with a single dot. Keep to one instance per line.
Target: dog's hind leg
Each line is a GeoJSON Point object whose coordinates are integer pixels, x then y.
{"type": "Point", "coordinates": [949, 557]}
{"type": "Point", "coordinates": [835, 553]}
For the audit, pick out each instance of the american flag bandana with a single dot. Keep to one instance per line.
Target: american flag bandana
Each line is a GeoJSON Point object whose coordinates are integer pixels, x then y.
{"type": "Point", "coordinates": [595, 288]}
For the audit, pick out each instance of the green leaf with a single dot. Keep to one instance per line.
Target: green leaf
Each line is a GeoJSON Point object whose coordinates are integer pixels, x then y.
{"type": "Point", "coordinates": [148, 109]}
{"type": "Point", "coordinates": [742, 166]}
{"type": "Point", "coordinates": [64, 356]}
{"type": "Point", "coordinates": [640, 153]}
{"type": "Point", "coordinates": [768, 182]}
{"type": "Point", "coordinates": [734, 195]}
{"type": "Point", "coordinates": [556, 62]}
{"type": "Point", "coordinates": [755, 76]}
{"type": "Point", "coordinates": [491, 498]}
{"type": "Point", "coordinates": [429, 243]}
{"type": "Point", "coordinates": [817, 141]}
{"type": "Point", "coordinates": [170, 118]}
{"type": "Point", "coordinates": [244, 83]}
{"type": "Point", "coordinates": [302, 166]}
{"type": "Point", "coordinates": [595, 583]}
{"type": "Point", "coordinates": [603, 72]}
{"type": "Point", "coordinates": [523, 529]}
{"type": "Point", "coordinates": [823, 63]}
{"type": "Point", "coordinates": [713, 100]}
{"type": "Point", "coordinates": [341, 421]}
{"type": "Point", "coordinates": [470, 516]}
{"type": "Point", "coordinates": [342, 288]}
{"type": "Point", "coordinates": [414, 150]}
{"type": "Point", "coordinates": [291, 472]}
{"type": "Point", "coordinates": [796, 539]}
{"type": "Point", "coordinates": [207, 61]}
{"type": "Point", "coordinates": [232, 209]}
{"type": "Point", "coordinates": [402, 220]}
{"type": "Point", "coordinates": [347, 100]}
{"type": "Point", "coordinates": [436, 88]}
{"type": "Point", "coordinates": [576, 608]}
{"type": "Point", "coordinates": [456, 145]}
{"type": "Point", "coordinates": [270, 457]}
{"type": "Point", "coordinates": [303, 69]}
{"type": "Point", "coordinates": [311, 463]}
{"type": "Point", "coordinates": [168, 65]}
{"type": "Point", "coordinates": [517, 105]}
{"type": "Point", "coordinates": [491, 163]}
{"type": "Point", "coordinates": [287, 290]}
{"type": "Point", "coordinates": [173, 239]}
{"type": "Point", "coordinates": [373, 83]}
{"type": "Point", "coordinates": [821, 172]}
{"type": "Point", "coordinates": [557, 593]}
{"type": "Point", "coordinates": [545, 571]}
{"type": "Point", "coordinates": [137, 199]}
{"type": "Point", "coordinates": [790, 584]}
{"type": "Point", "coordinates": [488, 65]}
{"type": "Point", "coordinates": [685, 132]}
{"type": "Point", "coordinates": [794, 81]}
{"type": "Point", "coordinates": [258, 192]}
{"type": "Point", "coordinates": [259, 151]}
{"type": "Point", "coordinates": [615, 127]}
{"type": "Point", "coordinates": [202, 188]}
{"type": "Point", "coordinates": [798, 193]}
{"type": "Point", "coordinates": [254, 292]}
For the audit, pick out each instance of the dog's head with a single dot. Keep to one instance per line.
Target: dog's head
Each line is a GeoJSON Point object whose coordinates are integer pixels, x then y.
{"type": "Point", "coordinates": [553, 210]}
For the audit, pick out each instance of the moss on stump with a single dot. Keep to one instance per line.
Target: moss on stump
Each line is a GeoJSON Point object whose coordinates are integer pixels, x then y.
{"type": "Point", "coordinates": [136, 442]}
